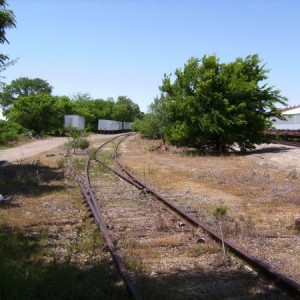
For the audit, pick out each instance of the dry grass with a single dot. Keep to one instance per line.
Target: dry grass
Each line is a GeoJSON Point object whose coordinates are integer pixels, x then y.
{"type": "Point", "coordinates": [263, 200]}
{"type": "Point", "coordinates": [166, 258]}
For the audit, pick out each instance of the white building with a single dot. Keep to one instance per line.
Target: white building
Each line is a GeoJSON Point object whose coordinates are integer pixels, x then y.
{"type": "Point", "coordinates": [292, 121]}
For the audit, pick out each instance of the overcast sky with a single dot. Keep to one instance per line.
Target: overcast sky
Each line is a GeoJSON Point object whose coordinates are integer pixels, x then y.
{"type": "Point", "coordinates": [124, 47]}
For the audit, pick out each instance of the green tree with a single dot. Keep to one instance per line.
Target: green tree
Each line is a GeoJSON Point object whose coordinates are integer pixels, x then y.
{"type": "Point", "coordinates": [7, 21]}
{"type": "Point", "coordinates": [217, 104]}
{"type": "Point", "coordinates": [125, 110]}
{"type": "Point", "coordinates": [151, 124]}
{"type": "Point", "coordinates": [37, 113]}
{"type": "Point", "coordinates": [63, 106]}
{"type": "Point", "coordinates": [22, 86]}
{"type": "Point", "coordinates": [88, 108]}
{"type": "Point", "coordinates": [148, 126]}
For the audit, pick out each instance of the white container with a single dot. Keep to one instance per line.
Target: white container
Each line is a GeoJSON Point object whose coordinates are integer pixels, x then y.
{"type": "Point", "coordinates": [126, 126]}
{"type": "Point", "coordinates": [120, 125]}
{"type": "Point", "coordinates": [292, 122]}
{"type": "Point", "coordinates": [74, 121]}
{"type": "Point", "coordinates": [108, 125]}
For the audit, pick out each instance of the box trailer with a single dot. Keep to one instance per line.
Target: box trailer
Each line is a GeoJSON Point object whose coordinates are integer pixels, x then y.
{"type": "Point", "coordinates": [74, 121]}
{"type": "Point", "coordinates": [108, 125]}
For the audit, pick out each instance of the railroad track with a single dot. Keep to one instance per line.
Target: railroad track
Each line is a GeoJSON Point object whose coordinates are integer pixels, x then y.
{"type": "Point", "coordinates": [138, 222]}
{"type": "Point", "coordinates": [88, 194]}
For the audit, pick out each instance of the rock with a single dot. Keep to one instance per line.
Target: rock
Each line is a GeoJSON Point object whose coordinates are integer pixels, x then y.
{"type": "Point", "coordinates": [110, 226]}
{"type": "Point", "coordinates": [297, 223]}
{"type": "Point", "coordinates": [250, 270]}
{"type": "Point", "coordinates": [181, 224]}
{"type": "Point", "coordinates": [201, 240]}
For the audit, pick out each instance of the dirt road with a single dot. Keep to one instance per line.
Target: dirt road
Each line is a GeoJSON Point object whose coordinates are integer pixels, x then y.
{"type": "Point", "coordinates": [32, 149]}
{"type": "Point", "coordinates": [281, 156]}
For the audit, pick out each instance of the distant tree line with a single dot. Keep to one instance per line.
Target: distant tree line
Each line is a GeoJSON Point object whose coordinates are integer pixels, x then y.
{"type": "Point", "coordinates": [28, 105]}
{"type": "Point", "coordinates": [214, 105]}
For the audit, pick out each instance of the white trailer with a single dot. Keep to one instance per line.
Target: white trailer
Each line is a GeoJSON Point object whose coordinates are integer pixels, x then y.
{"type": "Point", "coordinates": [108, 125]}
{"type": "Point", "coordinates": [120, 125]}
{"type": "Point", "coordinates": [113, 126]}
{"type": "Point", "coordinates": [74, 121]}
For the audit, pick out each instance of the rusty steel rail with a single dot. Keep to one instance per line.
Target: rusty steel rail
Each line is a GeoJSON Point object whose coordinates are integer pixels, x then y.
{"type": "Point", "coordinates": [279, 279]}
{"type": "Point", "coordinates": [88, 194]}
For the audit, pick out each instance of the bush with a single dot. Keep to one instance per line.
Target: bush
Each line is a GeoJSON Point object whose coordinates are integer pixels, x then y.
{"type": "Point", "coordinates": [9, 131]}
{"type": "Point", "coordinates": [220, 211]}
{"type": "Point", "coordinates": [148, 126]}
{"type": "Point", "coordinates": [82, 143]}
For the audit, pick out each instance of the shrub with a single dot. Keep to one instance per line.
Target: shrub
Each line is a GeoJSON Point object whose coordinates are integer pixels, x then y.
{"type": "Point", "coordinates": [9, 131]}
{"type": "Point", "coordinates": [82, 143]}
{"type": "Point", "coordinates": [220, 211]}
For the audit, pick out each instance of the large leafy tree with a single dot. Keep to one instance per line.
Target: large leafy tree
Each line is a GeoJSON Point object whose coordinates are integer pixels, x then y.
{"type": "Point", "coordinates": [217, 104]}
{"type": "Point", "coordinates": [21, 87]}
{"type": "Point", "coordinates": [125, 109]}
{"type": "Point", "coordinates": [7, 21]}
{"type": "Point", "coordinates": [151, 124]}
{"type": "Point", "coordinates": [148, 126]}
{"type": "Point", "coordinates": [39, 113]}
{"type": "Point", "coordinates": [63, 106]}
{"type": "Point", "coordinates": [92, 110]}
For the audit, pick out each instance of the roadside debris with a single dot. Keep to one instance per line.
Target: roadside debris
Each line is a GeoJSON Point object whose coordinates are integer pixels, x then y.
{"type": "Point", "coordinates": [4, 199]}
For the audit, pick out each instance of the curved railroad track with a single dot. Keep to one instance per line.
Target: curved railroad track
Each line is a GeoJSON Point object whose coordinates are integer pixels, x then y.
{"type": "Point", "coordinates": [160, 225]}
{"type": "Point", "coordinates": [87, 192]}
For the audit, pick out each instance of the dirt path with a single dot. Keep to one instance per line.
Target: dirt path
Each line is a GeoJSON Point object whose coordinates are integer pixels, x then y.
{"type": "Point", "coordinates": [31, 149]}
{"type": "Point", "coordinates": [281, 156]}
{"type": "Point", "coordinates": [37, 147]}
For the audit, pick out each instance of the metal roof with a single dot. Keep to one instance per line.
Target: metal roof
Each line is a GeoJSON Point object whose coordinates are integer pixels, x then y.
{"type": "Point", "coordinates": [291, 110]}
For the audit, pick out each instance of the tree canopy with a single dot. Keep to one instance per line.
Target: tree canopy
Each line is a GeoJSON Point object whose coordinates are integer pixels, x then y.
{"type": "Point", "coordinates": [125, 110]}
{"type": "Point", "coordinates": [216, 105]}
{"type": "Point", "coordinates": [151, 124]}
{"type": "Point", "coordinates": [23, 86]}
{"type": "Point", "coordinates": [7, 21]}
{"type": "Point", "coordinates": [38, 113]}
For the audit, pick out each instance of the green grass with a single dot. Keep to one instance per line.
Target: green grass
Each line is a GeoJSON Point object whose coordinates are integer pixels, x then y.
{"type": "Point", "coordinates": [4, 147]}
